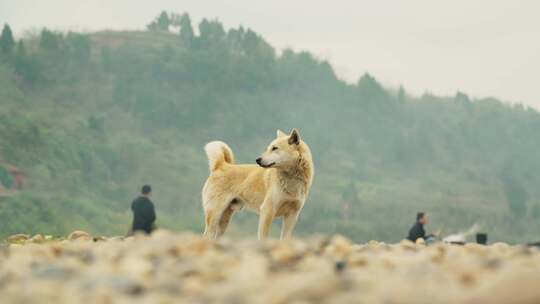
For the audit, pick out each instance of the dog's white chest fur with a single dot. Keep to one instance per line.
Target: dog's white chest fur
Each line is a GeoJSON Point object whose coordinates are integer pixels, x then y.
{"type": "Point", "coordinates": [292, 185]}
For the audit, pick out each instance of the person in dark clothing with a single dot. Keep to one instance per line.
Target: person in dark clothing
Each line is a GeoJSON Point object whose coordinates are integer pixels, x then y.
{"type": "Point", "coordinates": [144, 215]}
{"type": "Point", "coordinates": [417, 230]}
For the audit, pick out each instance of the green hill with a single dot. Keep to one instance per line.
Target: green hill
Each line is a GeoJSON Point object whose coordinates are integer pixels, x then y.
{"type": "Point", "coordinates": [91, 117]}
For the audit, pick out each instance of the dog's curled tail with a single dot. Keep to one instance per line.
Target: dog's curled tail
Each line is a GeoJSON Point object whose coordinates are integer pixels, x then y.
{"type": "Point", "coordinates": [218, 153]}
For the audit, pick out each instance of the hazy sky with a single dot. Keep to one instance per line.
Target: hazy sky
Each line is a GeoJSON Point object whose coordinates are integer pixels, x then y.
{"type": "Point", "coordinates": [481, 47]}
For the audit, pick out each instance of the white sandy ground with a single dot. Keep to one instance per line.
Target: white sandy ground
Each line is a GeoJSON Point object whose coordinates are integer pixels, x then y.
{"type": "Point", "coordinates": [184, 268]}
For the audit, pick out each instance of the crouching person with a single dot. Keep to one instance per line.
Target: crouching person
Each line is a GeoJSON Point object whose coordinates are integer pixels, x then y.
{"type": "Point", "coordinates": [144, 215]}
{"type": "Point", "coordinates": [417, 230]}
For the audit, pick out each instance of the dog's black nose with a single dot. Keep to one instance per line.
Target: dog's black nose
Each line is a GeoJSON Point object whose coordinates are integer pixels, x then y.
{"type": "Point", "coordinates": [258, 160]}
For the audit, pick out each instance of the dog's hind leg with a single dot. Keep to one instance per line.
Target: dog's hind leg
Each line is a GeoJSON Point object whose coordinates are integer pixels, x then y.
{"type": "Point", "coordinates": [212, 217]}
{"type": "Point", "coordinates": [212, 226]}
{"type": "Point", "coordinates": [209, 223]}
{"type": "Point", "coordinates": [233, 206]}
{"type": "Point", "coordinates": [218, 217]}
{"type": "Point", "coordinates": [224, 221]}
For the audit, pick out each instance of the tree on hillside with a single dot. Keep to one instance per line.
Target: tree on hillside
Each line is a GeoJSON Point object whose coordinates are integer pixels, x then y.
{"type": "Point", "coordinates": [369, 83]}
{"type": "Point", "coordinates": [50, 40]}
{"type": "Point", "coordinates": [211, 31]}
{"type": "Point", "coordinates": [20, 58]}
{"type": "Point", "coordinates": [6, 40]}
{"type": "Point", "coordinates": [26, 64]}
{"type": "Point", "coordinates": [161, 23]}
{"type": "Point", "coordinates": [79, 46]}
{"type": "Point", "coordinates": [235, 39]}
{"type": "Point", "coordinates": [462, 98]}
{"type": "Point", "coordinates": [255, 46]}
{"type": "Point", "coordinates": [372, 92]}
{"type": "Point", "coordinates": [186, 29]}
{"type": "Point", "coordinates": [21, 49]}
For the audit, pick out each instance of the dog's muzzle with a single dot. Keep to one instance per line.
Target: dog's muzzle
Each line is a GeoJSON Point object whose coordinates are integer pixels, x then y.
{"type": "Point", "coordinates": [260, 163]}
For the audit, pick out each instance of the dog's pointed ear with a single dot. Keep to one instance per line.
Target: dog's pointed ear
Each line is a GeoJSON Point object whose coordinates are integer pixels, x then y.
{"type": "Point", "coordinates": [294, 138]}
{"type": "Point", "coordinates": [280, 133]}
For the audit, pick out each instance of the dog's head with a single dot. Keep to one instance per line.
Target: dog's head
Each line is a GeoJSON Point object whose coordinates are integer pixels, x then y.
{"type": "Point", "coordinates": [283, 152]}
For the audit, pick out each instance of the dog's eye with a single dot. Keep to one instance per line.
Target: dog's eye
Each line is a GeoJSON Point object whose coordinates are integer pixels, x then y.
{"type": "Point", "coordinates": [274, 148]}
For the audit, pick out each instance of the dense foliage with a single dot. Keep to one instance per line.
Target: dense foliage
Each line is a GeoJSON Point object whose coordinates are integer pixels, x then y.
{"type": "Point", "coordinates": [91, 117]}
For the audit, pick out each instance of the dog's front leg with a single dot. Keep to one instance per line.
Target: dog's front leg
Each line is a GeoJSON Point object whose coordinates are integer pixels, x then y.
{"type": "Point", "coordinates": [266, 215]}
{"type": "Point", "coordinates": [289, 221]}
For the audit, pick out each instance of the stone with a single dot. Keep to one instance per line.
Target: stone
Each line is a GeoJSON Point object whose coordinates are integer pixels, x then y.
{"type": "Point", "coordinates": [18, 238]}
{"type": "Point", "coordinates": [407, 245]}
{"type": "Point", "coordinates": [79, 235]}
{"type": "Point", "coordinates": [38, 238]}
{"type": "Point", "coordinates": [100, 238]}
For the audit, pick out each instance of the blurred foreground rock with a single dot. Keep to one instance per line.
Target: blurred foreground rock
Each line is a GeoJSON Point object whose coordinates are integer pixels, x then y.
{"type": "Point", "coordinates": [185, 268]}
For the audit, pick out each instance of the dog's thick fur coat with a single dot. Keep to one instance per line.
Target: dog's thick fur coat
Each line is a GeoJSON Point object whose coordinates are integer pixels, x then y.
{"type": "Point", "coordinates": [277, 187]}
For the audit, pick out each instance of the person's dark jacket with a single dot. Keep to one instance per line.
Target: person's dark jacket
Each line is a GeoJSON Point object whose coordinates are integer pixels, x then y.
{"type": "Point", "coordinates": [416, 232]}
{"type": "Point", "coordinates": [143, 214]}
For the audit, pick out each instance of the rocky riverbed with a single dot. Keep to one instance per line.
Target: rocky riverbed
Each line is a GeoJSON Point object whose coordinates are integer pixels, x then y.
{"type": "Point", "coordinates": [184, 268]}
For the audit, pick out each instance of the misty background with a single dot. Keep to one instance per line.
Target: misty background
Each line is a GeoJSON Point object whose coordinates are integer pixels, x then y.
{"type": "Point", "coordinates": [91, 108]}
{"type": "Point", "coordinates": [485, 48]}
